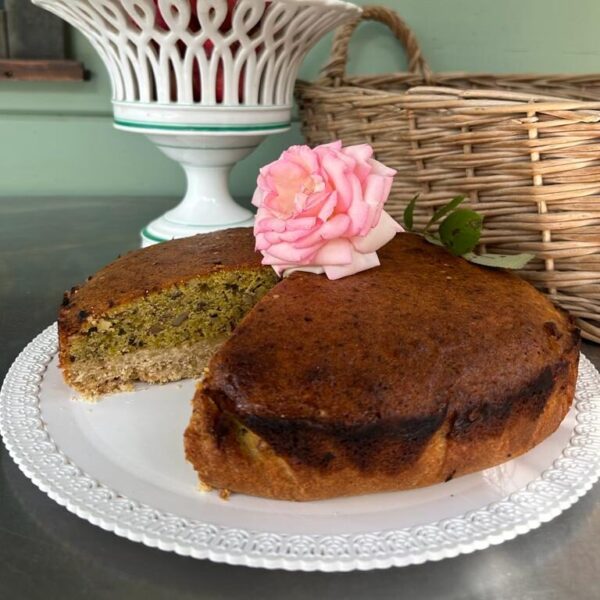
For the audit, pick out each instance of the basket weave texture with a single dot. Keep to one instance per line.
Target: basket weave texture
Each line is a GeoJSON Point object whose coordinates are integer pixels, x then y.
{"type": "Point", "coordinates": [527, 160]}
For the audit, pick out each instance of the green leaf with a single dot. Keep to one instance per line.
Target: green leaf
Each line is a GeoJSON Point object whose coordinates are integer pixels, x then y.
{"type": "Point", "coordinates": [460, 231]}
{"type": "Point", "coordinates": [502, 261]}
{"type": "Point", "coordinates": [442, 211]}
{"type": "Point", "coordinates": [408, 213]}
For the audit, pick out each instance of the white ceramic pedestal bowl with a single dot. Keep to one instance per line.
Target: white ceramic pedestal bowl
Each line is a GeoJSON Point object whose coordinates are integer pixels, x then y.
{"type": "Point", "coordinates": [204, 83]}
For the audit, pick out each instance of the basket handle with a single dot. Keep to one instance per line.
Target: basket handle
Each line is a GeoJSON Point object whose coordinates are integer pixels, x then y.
{"type": "Point", "coordinates": [335, 69]}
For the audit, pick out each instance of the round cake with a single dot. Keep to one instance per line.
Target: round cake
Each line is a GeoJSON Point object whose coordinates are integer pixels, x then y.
{"type": "Point", "coordinates": [423, 369]}
{"type": "Point", "coordinates": [410, 374]}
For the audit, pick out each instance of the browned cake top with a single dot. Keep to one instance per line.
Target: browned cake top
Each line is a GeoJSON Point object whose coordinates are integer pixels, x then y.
{"type": "Point", "coordinates": [423, 336]}
{"type": "Point", "coordinates": [152, 269]}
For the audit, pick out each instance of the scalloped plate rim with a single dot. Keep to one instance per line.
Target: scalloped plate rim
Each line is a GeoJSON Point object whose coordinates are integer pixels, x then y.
{"type": "Point", "coordinates": [478, 542]}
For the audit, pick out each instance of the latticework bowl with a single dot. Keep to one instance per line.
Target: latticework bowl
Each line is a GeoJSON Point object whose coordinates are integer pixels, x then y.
{"type": "Point", "coordinates": [206, 80]}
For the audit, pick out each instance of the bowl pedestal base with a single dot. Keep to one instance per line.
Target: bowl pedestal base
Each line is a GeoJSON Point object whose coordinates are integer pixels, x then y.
{"type": "Point", "coordinates": [207, 205]}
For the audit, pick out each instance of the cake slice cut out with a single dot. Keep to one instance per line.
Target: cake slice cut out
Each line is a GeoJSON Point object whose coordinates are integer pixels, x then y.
{"type": "Point", "coordinates": [158, 314]}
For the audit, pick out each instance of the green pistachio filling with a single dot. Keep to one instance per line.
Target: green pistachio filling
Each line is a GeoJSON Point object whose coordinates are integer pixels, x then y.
{"type": "Point", "coordinates": [206, 307]}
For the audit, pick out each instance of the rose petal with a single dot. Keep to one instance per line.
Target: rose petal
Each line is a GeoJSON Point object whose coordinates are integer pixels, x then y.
{"type": "Point", "coordinates": [334, 252]}
{"type": "Point", "coordinates": [285, 170]}
{"type": "Point", "coordinates": [359, 214]}
{"type": "Point", "coordinates": [336, 227]}
{"type": "Point", "coordinates": [303, 223]}
{"type": "Point", "coordinates": [260, 242]}
{"type": "Point", "coordinates": [289, 253]}
{"type": "Point", "coordinates": [314, 203]}
{"type": "Point", "coordinates": [336, 171]}
{"type": "Point", "coordinates": [268, 223]}
{"type": "Point", "coordinates": [328, 206]}
{"type": "Point", "coordinates": [361, 154]}
{"type": "Point", "coordinates": [381, 169]}
{"type": "Point", "coordinates": [360, 262]}
{"type": "Point", "coordinates": [288, 236]}
{"type": "Point", "coordinates": [377, 190]}
{"type": "Point", "coordinates": [257, 197]}
{"type": "Point", "coordinates": [379, 236]}
{"type": "Point", "coordinates": [304, 156]}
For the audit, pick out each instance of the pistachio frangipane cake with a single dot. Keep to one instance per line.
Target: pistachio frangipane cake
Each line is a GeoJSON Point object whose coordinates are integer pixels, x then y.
{"type": "Point", "coordinates": [418, 371]}
{"type": "Point", "coordinates": [159, 313]}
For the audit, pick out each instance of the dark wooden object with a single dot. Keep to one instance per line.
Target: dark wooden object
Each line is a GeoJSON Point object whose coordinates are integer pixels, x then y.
{"type": "Point", "coordinates": [33, 33]}
{"type": "Point", "coordinates": [32, 45]}
{"type": "Point", "coordinates": [41, 70]}
{"type": "Point", "coordinates": [3, 32]}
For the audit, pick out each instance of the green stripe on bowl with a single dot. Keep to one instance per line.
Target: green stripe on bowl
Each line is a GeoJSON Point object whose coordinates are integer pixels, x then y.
{"type": "Point", "coordinates": [150, 236]}
{"type": "Point", "coordinates": [189, 127]}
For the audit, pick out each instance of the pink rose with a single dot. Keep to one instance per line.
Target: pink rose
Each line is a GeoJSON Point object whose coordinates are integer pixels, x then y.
{"type": "Point", "coordinates": [321, 210]}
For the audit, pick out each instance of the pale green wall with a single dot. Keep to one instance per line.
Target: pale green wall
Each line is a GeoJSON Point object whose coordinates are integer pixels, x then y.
{"type": "Point", "coordinates": [58, 139]}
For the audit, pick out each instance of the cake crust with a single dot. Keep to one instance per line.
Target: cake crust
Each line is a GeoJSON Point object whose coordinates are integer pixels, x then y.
{"type": "Point", "coordinates": [215, 451]}
{"type": "Point", "coordinates": [409, 374]}
{"type": "Point", "coordinates": [153, 269]}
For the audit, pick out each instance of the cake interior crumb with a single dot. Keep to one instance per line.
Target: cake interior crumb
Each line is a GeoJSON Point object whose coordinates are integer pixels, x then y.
{"type": "Point", "coordinates": [203, 308]}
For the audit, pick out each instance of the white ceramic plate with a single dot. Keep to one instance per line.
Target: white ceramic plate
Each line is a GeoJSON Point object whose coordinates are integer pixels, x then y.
{"type": "Point", "coordinates": [120, 465]}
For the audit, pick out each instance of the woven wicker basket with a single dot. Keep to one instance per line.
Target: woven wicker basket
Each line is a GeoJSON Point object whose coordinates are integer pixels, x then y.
{"type": "Point", "coordinates": [527, 160]}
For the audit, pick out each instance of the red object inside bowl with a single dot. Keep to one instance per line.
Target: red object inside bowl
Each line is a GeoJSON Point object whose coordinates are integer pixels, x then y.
{"type": "Point", "coordinates": [194, 26]}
